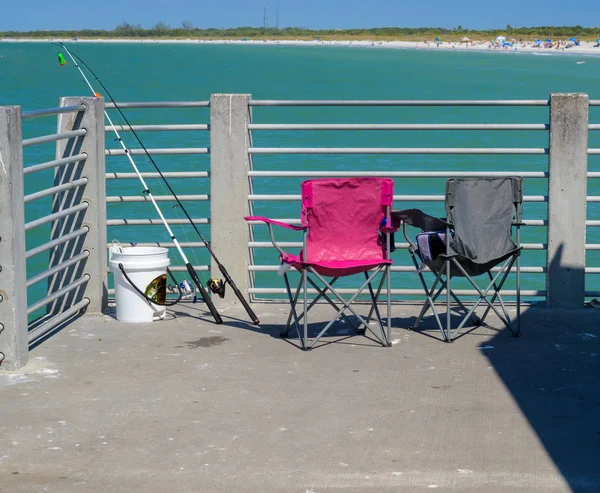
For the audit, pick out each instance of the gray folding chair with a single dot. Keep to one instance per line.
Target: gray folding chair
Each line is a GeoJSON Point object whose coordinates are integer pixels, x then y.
{"type": "Point", "coordinates": [475, 237]}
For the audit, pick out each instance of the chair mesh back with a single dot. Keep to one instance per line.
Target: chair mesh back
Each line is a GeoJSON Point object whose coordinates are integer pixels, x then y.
{"type": "Point", "coordinates": [482, 211]}
{"type": "Point", "coordinates": [344, 215]}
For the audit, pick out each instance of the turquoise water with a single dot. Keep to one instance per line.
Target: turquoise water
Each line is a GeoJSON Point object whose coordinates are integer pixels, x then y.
{"type": "Point", "coordinates": [180, 72]}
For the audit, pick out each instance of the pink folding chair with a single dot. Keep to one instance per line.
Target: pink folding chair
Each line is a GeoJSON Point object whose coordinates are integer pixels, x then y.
{"type": "Point", "coordinates": [345, 225]}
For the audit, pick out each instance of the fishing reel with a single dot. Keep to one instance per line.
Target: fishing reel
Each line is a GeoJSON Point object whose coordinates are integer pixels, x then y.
{"type": "Point", "coordinates": [217, 286]}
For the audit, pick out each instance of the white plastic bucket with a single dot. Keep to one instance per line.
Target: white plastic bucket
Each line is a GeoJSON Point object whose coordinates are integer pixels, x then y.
{"type": "Point", "coordinates": [142, 265]}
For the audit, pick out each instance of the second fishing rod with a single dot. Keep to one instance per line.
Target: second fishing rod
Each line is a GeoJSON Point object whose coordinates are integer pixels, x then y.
{"type": "Point", "coordinates": [215, 285]}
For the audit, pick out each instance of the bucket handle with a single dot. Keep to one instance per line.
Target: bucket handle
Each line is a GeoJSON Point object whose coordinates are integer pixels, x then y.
{"type": "Point", "coordinates": [141, 293]}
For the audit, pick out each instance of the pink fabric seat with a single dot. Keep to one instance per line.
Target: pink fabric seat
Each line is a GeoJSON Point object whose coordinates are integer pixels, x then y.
{"type": "Point", "coordinates": [343, 218]}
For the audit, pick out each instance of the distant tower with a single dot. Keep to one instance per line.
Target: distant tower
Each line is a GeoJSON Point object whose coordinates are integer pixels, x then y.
{"type": "Point", "coordinates": [266, 17]}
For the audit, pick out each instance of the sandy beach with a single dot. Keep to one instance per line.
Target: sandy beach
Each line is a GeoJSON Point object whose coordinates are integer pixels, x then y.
{"type": "Point", "coordinates": [558, 47]}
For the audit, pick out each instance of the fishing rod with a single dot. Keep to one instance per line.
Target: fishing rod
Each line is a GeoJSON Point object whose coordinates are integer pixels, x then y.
{"type": "Point", "coordinates": [206, 298]}
{"type": "Point", "coordinates": [215, 285]}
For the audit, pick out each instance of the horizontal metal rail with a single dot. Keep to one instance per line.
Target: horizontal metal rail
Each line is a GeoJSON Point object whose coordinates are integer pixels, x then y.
{"type": "Point", "coordinates": [397, 150]}
{"type": "Point", "coordinates": [525, 222]}
{"type": "Point", "coordinates": [298, 244]}
{"type": "Point", "coordinates": [166, 174]}
{"type": "Point", "coordinates": [153, 222]}
{"type": "Point", "coordinates": [412, 292]}
{"type": "Point", "coordinates": [403, 268]}
{"type": "Point", "coordinates": [403, 198]}
{"type": "Point", "coordinates": [180, 268]}
{"type": "Point", "coordinates": [398, 126]}
{"type": "Point", "coordinates": [57, 215]}
{"type": "Point", "coordinates": [57, 189]}
{"type": "Point", "coordinates": [183, 268]}
{"type": "Point", "coordinates": [53, 111]}
{"type": "Point", "coordinates": [54, 137]}
{"type": "Point", "coordinates": [55, 321]}
{"type": "Point", "coordinates": [397, 174]}
{"type": "Point", "coordinates": [61, 292]}
{"type": "Point", "coordinates": [156, 152]}
{"type": "Point", "coordinates": [161, 104]}
{"type": "Point", "coordinates": [183, 244]}
{"type": "Point", "coordinates": [55, 163]}
{"type": "Point", "coordinates": [58, 268]}
{"type": "Point", "coordinates": [524, 102]}
{"type": "Point", "coordinates": [592, 246]}
{"type": "Point", "coordinates": [58, 241]}
{"type": "Point", "coordinates": [159, 198]}
{"type": "Point", "coordinates": [157, 128]}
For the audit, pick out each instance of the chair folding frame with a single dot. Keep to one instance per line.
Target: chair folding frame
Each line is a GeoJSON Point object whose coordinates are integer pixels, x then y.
{"type": "Point", "coordinates": [451, 266]}
{"type": "Point", "coordinates": [294, 318]}
{"type": "Point", "coordinates": [298, 319]}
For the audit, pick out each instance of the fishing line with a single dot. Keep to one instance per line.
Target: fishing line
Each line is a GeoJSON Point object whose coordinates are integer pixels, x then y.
{"type": "Point", "coordinates": [147, 192]}
{"type": "Point", "coordinates": [217, 286]}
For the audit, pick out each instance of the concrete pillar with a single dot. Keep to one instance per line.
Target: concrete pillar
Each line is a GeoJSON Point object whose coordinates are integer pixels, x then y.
{"type": "Point", "coordinates": [229, 188]}
{"type": "Point", "coordinates": [567, 189]}
{"type": "Point", "coordinates": [14, 348]}
{"type": "Point", "coordinates": [94, 217]}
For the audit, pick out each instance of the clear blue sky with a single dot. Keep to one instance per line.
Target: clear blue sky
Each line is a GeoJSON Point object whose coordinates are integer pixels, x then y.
{"type": "Point", "coordinates": [22, 15]}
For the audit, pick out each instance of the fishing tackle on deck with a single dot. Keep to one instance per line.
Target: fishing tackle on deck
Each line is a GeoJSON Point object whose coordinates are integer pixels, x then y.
{"type": "Point", "coordinates": [216, 287]}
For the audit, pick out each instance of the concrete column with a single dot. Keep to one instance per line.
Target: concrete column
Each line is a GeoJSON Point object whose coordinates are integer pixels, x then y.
{"type": "Point", "coordinates": [229, 188]}
{"type": "Point", "coordinates": [14, 348]}
{"type": "Point", "coordinates": [94, 217]}
{"type": "Point", "coordinates": [567, 190]}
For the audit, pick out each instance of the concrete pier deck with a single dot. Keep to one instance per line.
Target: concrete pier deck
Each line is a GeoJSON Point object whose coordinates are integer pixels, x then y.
{"type": "Point", "coordinates": [183, 405]}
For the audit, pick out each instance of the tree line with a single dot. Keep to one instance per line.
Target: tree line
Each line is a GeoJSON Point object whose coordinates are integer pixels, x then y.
{"type": "Point", "coordinates": [187, 30]}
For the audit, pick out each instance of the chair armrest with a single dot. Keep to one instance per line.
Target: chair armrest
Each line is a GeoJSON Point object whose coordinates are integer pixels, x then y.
{"type": "Point", "coordinates": [270, 223]}
{"type": "Point", "coordinates": [276, 223]}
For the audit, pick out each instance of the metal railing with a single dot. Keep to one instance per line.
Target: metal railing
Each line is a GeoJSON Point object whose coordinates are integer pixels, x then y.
{"type": "Point", "coordinates": [246, 159]}
{"type": "Point", "coordinates": [120, 227]}
{"type": "Point", "coordinates": [53, 253]}
{"type": "Point", "coordinates": [399, 200]}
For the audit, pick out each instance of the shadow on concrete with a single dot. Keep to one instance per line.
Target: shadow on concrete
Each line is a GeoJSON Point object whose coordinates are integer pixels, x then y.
{"type": "Point", "coordinates": [339, 333]}
{"type": "Point", "coordinates": [429, 328]}
{"type": "Point", "coordinates": [553, 374]}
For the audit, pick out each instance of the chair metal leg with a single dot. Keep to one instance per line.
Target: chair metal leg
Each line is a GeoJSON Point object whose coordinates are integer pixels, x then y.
{"type": "Point", "coordinates": [292, 303]}
{"type": "Point", "coordinates": [322, 293]}
{"type": "Point", "coordinates": [376, 296]}
{"type": "Point", "coordinates": [384, 338]}
{"type": "Point", "coordinates": [293, 309]}
{"type": "Point", "coordinates": [483, 295]}
{"type": "Point", "coordinates": [304, 276]}
{"type": "Point", "coordinates": [346, 305]}
{"type": "Point", "coordinates": [506, 268]}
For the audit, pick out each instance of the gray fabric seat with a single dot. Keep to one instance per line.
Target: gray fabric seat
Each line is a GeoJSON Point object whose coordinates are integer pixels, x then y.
{"type": "Point", "coordinates": [475, 237]}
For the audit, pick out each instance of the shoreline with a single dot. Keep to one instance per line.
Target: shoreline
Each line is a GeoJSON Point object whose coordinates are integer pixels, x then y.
{"type": "Point", "coordinates": [585, 47]}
